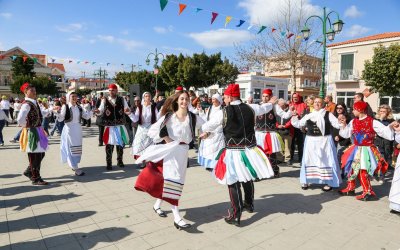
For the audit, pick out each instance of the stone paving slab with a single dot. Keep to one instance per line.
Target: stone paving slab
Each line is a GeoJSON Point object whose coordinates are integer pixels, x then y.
{"type": "Point", "coordinates": [101, 210]}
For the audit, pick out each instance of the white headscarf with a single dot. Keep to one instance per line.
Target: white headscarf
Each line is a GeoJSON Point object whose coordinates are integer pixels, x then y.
{"type": "Point", "coordinates": [218, 97]}
{"type": "Point", "coordinates": [143, 97]}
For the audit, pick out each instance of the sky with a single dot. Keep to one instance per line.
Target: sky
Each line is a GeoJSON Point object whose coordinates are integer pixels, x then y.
{"type": "Point", "coordinates": [126, 31]}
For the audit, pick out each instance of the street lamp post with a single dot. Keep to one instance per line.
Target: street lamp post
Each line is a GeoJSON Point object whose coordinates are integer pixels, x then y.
{"type": "Point", "coordinates": [334, 28]}
{"type": "Point", "coordinates": [155, 55]}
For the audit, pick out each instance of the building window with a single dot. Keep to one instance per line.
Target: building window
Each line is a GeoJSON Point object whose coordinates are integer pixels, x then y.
{"type": "Point", "coordinates": [393, 102]}
{"type": "Point", "coordinates": [281, 94]}
{"type": "Point", "coordinates": [242, 93]}
{"type": "Point", "coordinates": [257, 94]}
{"type": "Point", "coordinates": [346, 66]}
{"type": "Point", "coordinates": [346, 98]}
{"type": "Point", "coordinates": [306, 82]}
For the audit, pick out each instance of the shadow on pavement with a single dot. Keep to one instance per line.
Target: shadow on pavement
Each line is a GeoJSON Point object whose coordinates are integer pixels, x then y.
{"type": "Point", "coordinates": [43, 221]}
{"type": "Point", "coordinates": [22, 203]}
{"type": "Point", "coordinates": [81, 240]}
{"type": "Point", "coordinates": [290, 203]}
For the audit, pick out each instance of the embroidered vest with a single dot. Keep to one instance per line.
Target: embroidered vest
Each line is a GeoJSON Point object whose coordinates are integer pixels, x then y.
{"type": "Point", "coordinates": [363, 131]}
{"type": "Point", "coordinates": [266, 122]}
{"type": "Point", "coordinates": [114, 113]}
{"type": "Point", "coordinates": [238, 126]}
{"type": "Point", "coordinates": [34, 117]}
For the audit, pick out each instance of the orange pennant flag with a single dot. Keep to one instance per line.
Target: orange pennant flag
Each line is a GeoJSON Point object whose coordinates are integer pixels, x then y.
{"type": "Point", "coordinates": [181, 8]}
{"type": "Point", "coordinates": [24, 58]}
{"type": "Point", "coordinates": [227, 20]}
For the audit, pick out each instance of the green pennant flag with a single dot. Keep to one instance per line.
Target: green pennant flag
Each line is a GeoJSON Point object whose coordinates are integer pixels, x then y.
{"type": "Point", "coordinates": [261, 29]}
{"type": "Point", "coordinates": [35, 60]}
{"type": "Point", "coordinates": [163, 3]}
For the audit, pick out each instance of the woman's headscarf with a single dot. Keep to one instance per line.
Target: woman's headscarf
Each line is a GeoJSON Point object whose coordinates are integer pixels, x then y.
{"type": "Point", "coordinates": [218, 97]}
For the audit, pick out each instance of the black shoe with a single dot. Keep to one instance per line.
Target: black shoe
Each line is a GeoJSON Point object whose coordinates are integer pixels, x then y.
{"type": "Point", "coordinates": [276, 175]}
{"type": "Point", "coordinates": [304, 186]}
{"type": "Point", "coordinates": [209, 169]}
{"type": "Point", "coordinates": [248, 207]}
{"type": "Point", "coordinates": [233, 221]}
{"type": "Point", "coordinates": [40, 182]}
{"type": "Point", "coordinates": [394, 212]}
{"type": "Point", "coordinates": [109, 167]}
{"type": "Point", "coordinates": [100, 144]}
{"type": "Point", "coordinates": [180, 227]}
{"type": "Point", "coordinates": [27, 174]}
{"type": "Point", "coordinates": [120, 164]}
{"type": "Point", "coordinates": [160, 212]}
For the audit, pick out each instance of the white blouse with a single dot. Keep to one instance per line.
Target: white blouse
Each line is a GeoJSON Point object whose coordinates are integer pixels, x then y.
{"type": "Point", "coordinates": [177, 130]}
{"type": "Point", "coordinates": [146, 115]}
{"type": "Point", "coordinates": [75, 114]}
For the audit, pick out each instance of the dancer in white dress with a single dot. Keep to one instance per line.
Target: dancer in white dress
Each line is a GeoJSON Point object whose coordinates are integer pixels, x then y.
{"type": "Point", "coordinates": [71, 135]}
{"type": "Point", "coordinates": [212, 145]}
{"type": "Point", "coordinates": [394, 195]}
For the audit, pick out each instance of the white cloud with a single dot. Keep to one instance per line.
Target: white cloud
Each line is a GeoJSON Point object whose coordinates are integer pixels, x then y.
{"type": "Point", "coordinates": [163, 30]}
{"type": "Point", "coordinates": [356, 31]}
{"type": "Point", "coordinates": [220, 38]}
{"type": "Point", "coordinates": [130, 44]}
{"type": "Point", "coordinates": [352, 12]}
{"type": "Point", "coordinates": [268, 12]}
{"type": "Point", "coordinates": [173, 50]}
{"type": "Point", "coordinates": [6, 15]}
{"type": "Point", "coordinates": [72, 27]}
{"type": "Point", "coordinates": [75, 38]}
{"type": "Point", "coordinates": [125, 32]}
{"type": "Point", "coordinates": [109, 39]}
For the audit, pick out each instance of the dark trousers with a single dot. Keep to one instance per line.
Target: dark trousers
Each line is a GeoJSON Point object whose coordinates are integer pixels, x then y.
{"type": "Point", "coordinates": [57, 125]}
{"type": "Point", "coordinates": [35, 161]}
{"type": "Point", "coordinates": [109, 153]}
{"type": "Point", "coordinates": [7, 111]}
{"type": "Point", "coordinates": [2, 124]}
{"type": "Point", "coordinates": [128, 127]}
{"type": "Point", "coordinates": [101, 132]}
{"type": "Point", "coordinates": [274, 163]}
{"type": "Point", "coordinates": [235, 194]}
{"type": "Point", "coordinates": [298, 139]}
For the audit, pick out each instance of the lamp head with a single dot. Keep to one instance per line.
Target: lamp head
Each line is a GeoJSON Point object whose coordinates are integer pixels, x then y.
{"type": "Point", "coordinates": [306, 32]}
{"type": "Point", "coordinates": [337, 26]}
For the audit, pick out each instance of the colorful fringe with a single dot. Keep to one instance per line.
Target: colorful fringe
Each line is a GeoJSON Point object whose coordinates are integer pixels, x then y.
{"type": "Point", "coordinates": [120, 135]}
{"type": "Point", "coordinates": [31, 137]}
{"type": "Point", "coordinates": [268, 148]}
{"type": "Point", "coordinates": [356, 156]}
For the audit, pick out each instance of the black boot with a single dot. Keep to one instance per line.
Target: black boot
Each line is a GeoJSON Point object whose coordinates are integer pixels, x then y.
{"type": "Point", "coordinates": [248, 207]}
{"type": "Point", "coordinates": [233, 220]}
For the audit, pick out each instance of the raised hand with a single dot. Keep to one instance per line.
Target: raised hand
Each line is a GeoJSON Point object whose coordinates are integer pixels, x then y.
{"type": "Point", "coordinates": [273, 100]}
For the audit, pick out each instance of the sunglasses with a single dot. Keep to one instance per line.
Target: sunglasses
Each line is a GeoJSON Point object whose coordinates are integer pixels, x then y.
{"type": "Point", "coordinates": [339, 108]}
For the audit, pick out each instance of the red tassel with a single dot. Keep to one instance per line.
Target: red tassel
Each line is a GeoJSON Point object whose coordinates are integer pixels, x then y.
{"type": "Point", "coordinates": [106, 135]}
{"type": "Point", "coordinates": [220, 168]}
{"type": "Point", "coordinates": [268, 144]}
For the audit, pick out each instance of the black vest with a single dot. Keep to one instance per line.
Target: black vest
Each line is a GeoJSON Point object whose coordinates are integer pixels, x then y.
{"type": "Point", "coordinates": [313, 130]}
{"type": "Point", "coordinates": [266, 122]}
{"type": "Point", "coordinates": [239, 126]}
{"type": "Point", "coordinates": [153, 113]}
{"type": "Point", "coordinates": [34, 117]}
{"type": "Point", "coordinates": [69, 113]}
{"type": "Point", "coordinates": [114, 113]}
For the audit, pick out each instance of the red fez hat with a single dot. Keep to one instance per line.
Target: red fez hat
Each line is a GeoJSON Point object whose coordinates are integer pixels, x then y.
{"type": "Point", "coordinates": [233, 90]}
{"type": "Point", "coordinates": [267, 92]}
{"type": "Point", "coordinates": [179, 88]}
{"type": "Point", "coordinates": [112, 86]}
{"type": "Point", "coordinates": [360, 106]}
{"type": "Point", "coordinates": [24, 87]}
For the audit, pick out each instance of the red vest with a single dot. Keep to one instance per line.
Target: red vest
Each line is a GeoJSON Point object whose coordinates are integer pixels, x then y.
{"type": "Point", "coordinates": [363, 131]}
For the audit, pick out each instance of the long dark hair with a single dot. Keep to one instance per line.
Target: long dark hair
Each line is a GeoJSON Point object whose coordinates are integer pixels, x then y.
{"type": "Point", "coordinates": [335, 113]}
{"type": "Point", "coordinates": [171, 103]}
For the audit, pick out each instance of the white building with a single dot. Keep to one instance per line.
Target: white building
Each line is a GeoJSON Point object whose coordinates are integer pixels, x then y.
{"type": "Point", "coordinates": [252, 84]}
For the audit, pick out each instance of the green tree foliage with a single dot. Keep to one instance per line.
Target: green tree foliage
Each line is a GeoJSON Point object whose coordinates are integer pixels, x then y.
{"type": "Point", "coordinates": [383, 72]}
{"type": "Point", "coordinates": [83, 92]}
{"type": "Point", "coordinates": [146, 80]}
{"type": "Point", "coordinates": [19, 67]}
{"type": "Point", "coordinates": [44, 85]}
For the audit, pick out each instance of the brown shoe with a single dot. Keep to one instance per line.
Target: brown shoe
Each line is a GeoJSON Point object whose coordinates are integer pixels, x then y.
{"type": "Point", "coordinates": [40, 182]}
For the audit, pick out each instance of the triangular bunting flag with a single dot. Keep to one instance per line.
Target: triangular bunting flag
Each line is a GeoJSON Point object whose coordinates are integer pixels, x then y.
{"type": "Point", "coordinates": [53, 60]}
{"type": "Point", "coordinates": [78, 62]}
{"type": "Point", "coordinates": [227, 20]}
{"type": "Point", "coordinates": [261, 29]}
{"type": "Point", "coordinates": [86, 62]}
{"type": "Point", "coordinates": [13, 57]}
{"type": "Point", "coordinates": [214, 16]}
{"type": "Point", "coordinates": [181, 8]}
{"type": "Point", "coordinates": [163, 3]}
{"type": "Point", "coordinates": [289, 35]}
{"type": "Point", "coordinates": [198, 10]}
{"type": "Point", "coordinates": [273, 29]}
{"type": "Point", "coordinates": [240, 23]}
{"type": "Point", "coordinates": [70, 61]}
{"type": "Point", "coordinates": [93, 63]}
{"type": "Point", "coordinates": [298, 37]}
{"type": "Point", "coordinates": [24, 58]}
{"type": "Point", "coordinates": [283, 33]}
{"type": "Point", "coordinates": [35, 60]}
{"type": "Point", "coordinates": [250, 26]}
{"type": "Point", "coordinates": [108, 64]}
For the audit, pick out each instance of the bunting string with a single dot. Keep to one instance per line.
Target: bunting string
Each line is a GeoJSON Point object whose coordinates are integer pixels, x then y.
{"type": "Point", "coordinates": [228, 18]}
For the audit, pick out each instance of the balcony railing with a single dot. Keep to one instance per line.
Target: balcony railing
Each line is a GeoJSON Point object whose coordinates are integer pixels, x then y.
{"type": "Point", "coordinates": [347, 75]}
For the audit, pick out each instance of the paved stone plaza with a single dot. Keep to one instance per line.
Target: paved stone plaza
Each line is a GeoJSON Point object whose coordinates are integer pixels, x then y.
{"type": "Point", "coordinates": [102, 210]}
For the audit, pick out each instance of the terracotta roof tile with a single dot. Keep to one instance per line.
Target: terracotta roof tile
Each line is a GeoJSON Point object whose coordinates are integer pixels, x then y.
{"type": "Point", "coordinates": [368, 38]}
{"type": "Point", "coordinates": [59, 66]}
